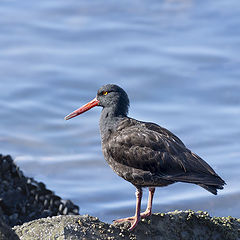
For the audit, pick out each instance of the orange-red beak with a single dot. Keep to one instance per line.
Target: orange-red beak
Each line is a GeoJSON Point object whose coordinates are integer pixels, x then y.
{"type": "Point", "coordinates": [83, 109]}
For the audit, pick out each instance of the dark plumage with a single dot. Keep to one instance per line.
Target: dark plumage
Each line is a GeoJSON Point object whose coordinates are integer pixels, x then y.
{"type": "Point", "coordinates": [153, 156]}
{"type": "Point", "coordinates": [144, 153]}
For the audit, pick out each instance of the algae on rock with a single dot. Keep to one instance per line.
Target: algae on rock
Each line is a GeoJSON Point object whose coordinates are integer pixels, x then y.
{"type": "Point", "coordinates": [161, 226]}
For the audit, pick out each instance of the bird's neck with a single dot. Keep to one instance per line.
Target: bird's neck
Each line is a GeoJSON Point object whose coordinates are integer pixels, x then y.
{"type": "Point", "coordinates": [109, 120]}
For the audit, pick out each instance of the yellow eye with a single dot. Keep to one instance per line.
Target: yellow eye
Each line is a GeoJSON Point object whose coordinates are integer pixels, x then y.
{"type": "Point", "coordinates": [105, 93]}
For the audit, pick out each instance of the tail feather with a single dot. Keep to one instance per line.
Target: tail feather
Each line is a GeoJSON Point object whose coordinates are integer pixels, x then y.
{"type": "Point", "coordinates": [209, 182]}
{"type": "Point", "coordinates": [212, 189]}
{"type": "Point", "coordinates": [219, 183]}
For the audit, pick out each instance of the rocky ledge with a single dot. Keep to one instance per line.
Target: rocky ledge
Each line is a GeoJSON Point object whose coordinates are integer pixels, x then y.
{"type": "Point", "coordinates": [173, 225]}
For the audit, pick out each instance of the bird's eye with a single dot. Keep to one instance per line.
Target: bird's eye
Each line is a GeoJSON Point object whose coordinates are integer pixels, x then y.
{"type": "Point", "coordinates": [105, 93]}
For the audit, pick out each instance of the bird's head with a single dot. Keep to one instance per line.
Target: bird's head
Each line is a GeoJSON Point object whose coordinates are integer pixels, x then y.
{"type": "Point", "coordinates": [108, 96]}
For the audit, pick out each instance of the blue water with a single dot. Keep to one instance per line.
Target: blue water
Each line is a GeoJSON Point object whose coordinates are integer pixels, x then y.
{"type": "Point", "coordinates": [179, 62]}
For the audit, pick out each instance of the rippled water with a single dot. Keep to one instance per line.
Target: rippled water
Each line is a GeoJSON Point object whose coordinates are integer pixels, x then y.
{"type": "Point", "coordinates": [179, 62]}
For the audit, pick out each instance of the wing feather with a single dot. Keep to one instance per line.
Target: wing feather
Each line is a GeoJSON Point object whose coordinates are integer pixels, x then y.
{"type": "Point", "coordinates": [149, 147]}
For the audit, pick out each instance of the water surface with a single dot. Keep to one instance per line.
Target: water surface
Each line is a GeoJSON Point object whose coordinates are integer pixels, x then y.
{"type": "Point", "coordinates": [178, 61]}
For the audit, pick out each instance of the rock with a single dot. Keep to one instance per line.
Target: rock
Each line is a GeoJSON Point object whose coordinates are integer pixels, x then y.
{"type": "Point", "coordinates": [23, 199]}
{"type": "Point", "coordinates": [173, 225]}
{"type": "Point", "coordinates": [6, 233]}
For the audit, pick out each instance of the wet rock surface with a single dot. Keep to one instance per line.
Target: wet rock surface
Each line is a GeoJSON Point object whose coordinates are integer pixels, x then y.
{"type": "Point", "coordinates": [174, 225]}
{"type": "Point", "coordinates": [23, 199]}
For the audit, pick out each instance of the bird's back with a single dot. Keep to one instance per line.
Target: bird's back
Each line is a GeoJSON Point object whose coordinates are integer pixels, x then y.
{"type": "Point", "coordinates": [146, 154]}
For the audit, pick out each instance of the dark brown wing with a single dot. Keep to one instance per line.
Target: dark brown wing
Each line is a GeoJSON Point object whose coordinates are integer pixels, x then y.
{"type": "Point", "coordinates": [163, 131]}
{"type": "Point", "coordinates": [151, 148]}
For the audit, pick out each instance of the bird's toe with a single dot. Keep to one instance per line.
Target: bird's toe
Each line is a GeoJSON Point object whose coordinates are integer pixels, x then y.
{"type": "Point", "coordinates": [132, 220]}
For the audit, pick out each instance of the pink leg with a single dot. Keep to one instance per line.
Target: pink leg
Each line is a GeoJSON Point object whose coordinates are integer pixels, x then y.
{"type": "Point", "coordinates": [134, 220]}
{"type": "Point", "coordinates": [148, 210]}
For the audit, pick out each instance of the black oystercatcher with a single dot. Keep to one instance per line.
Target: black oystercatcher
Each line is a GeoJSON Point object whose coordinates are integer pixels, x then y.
{"type": "Point", "coordinates": [144, 153]}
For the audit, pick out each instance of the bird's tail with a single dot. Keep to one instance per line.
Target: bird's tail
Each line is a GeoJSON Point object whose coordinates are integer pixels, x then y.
{"type": "Point", "coordinates": [218, 184]}
{"type": "Point", "coordinates": [209, 182]}
{"type": "Point", "coordinates": [211, 188]}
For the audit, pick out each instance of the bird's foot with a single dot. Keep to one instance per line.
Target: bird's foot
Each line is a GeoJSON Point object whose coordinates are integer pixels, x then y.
{"type": "Point", "coordinates": [133, 220]}
{"type": "Point", "coordinates": [128, 219]}
{"type": "Point", "coordinates": [145, 214]}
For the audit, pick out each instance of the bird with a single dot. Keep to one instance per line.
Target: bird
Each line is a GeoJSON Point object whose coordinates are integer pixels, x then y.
{"type": "Point", "coordinates": [144, 153]}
